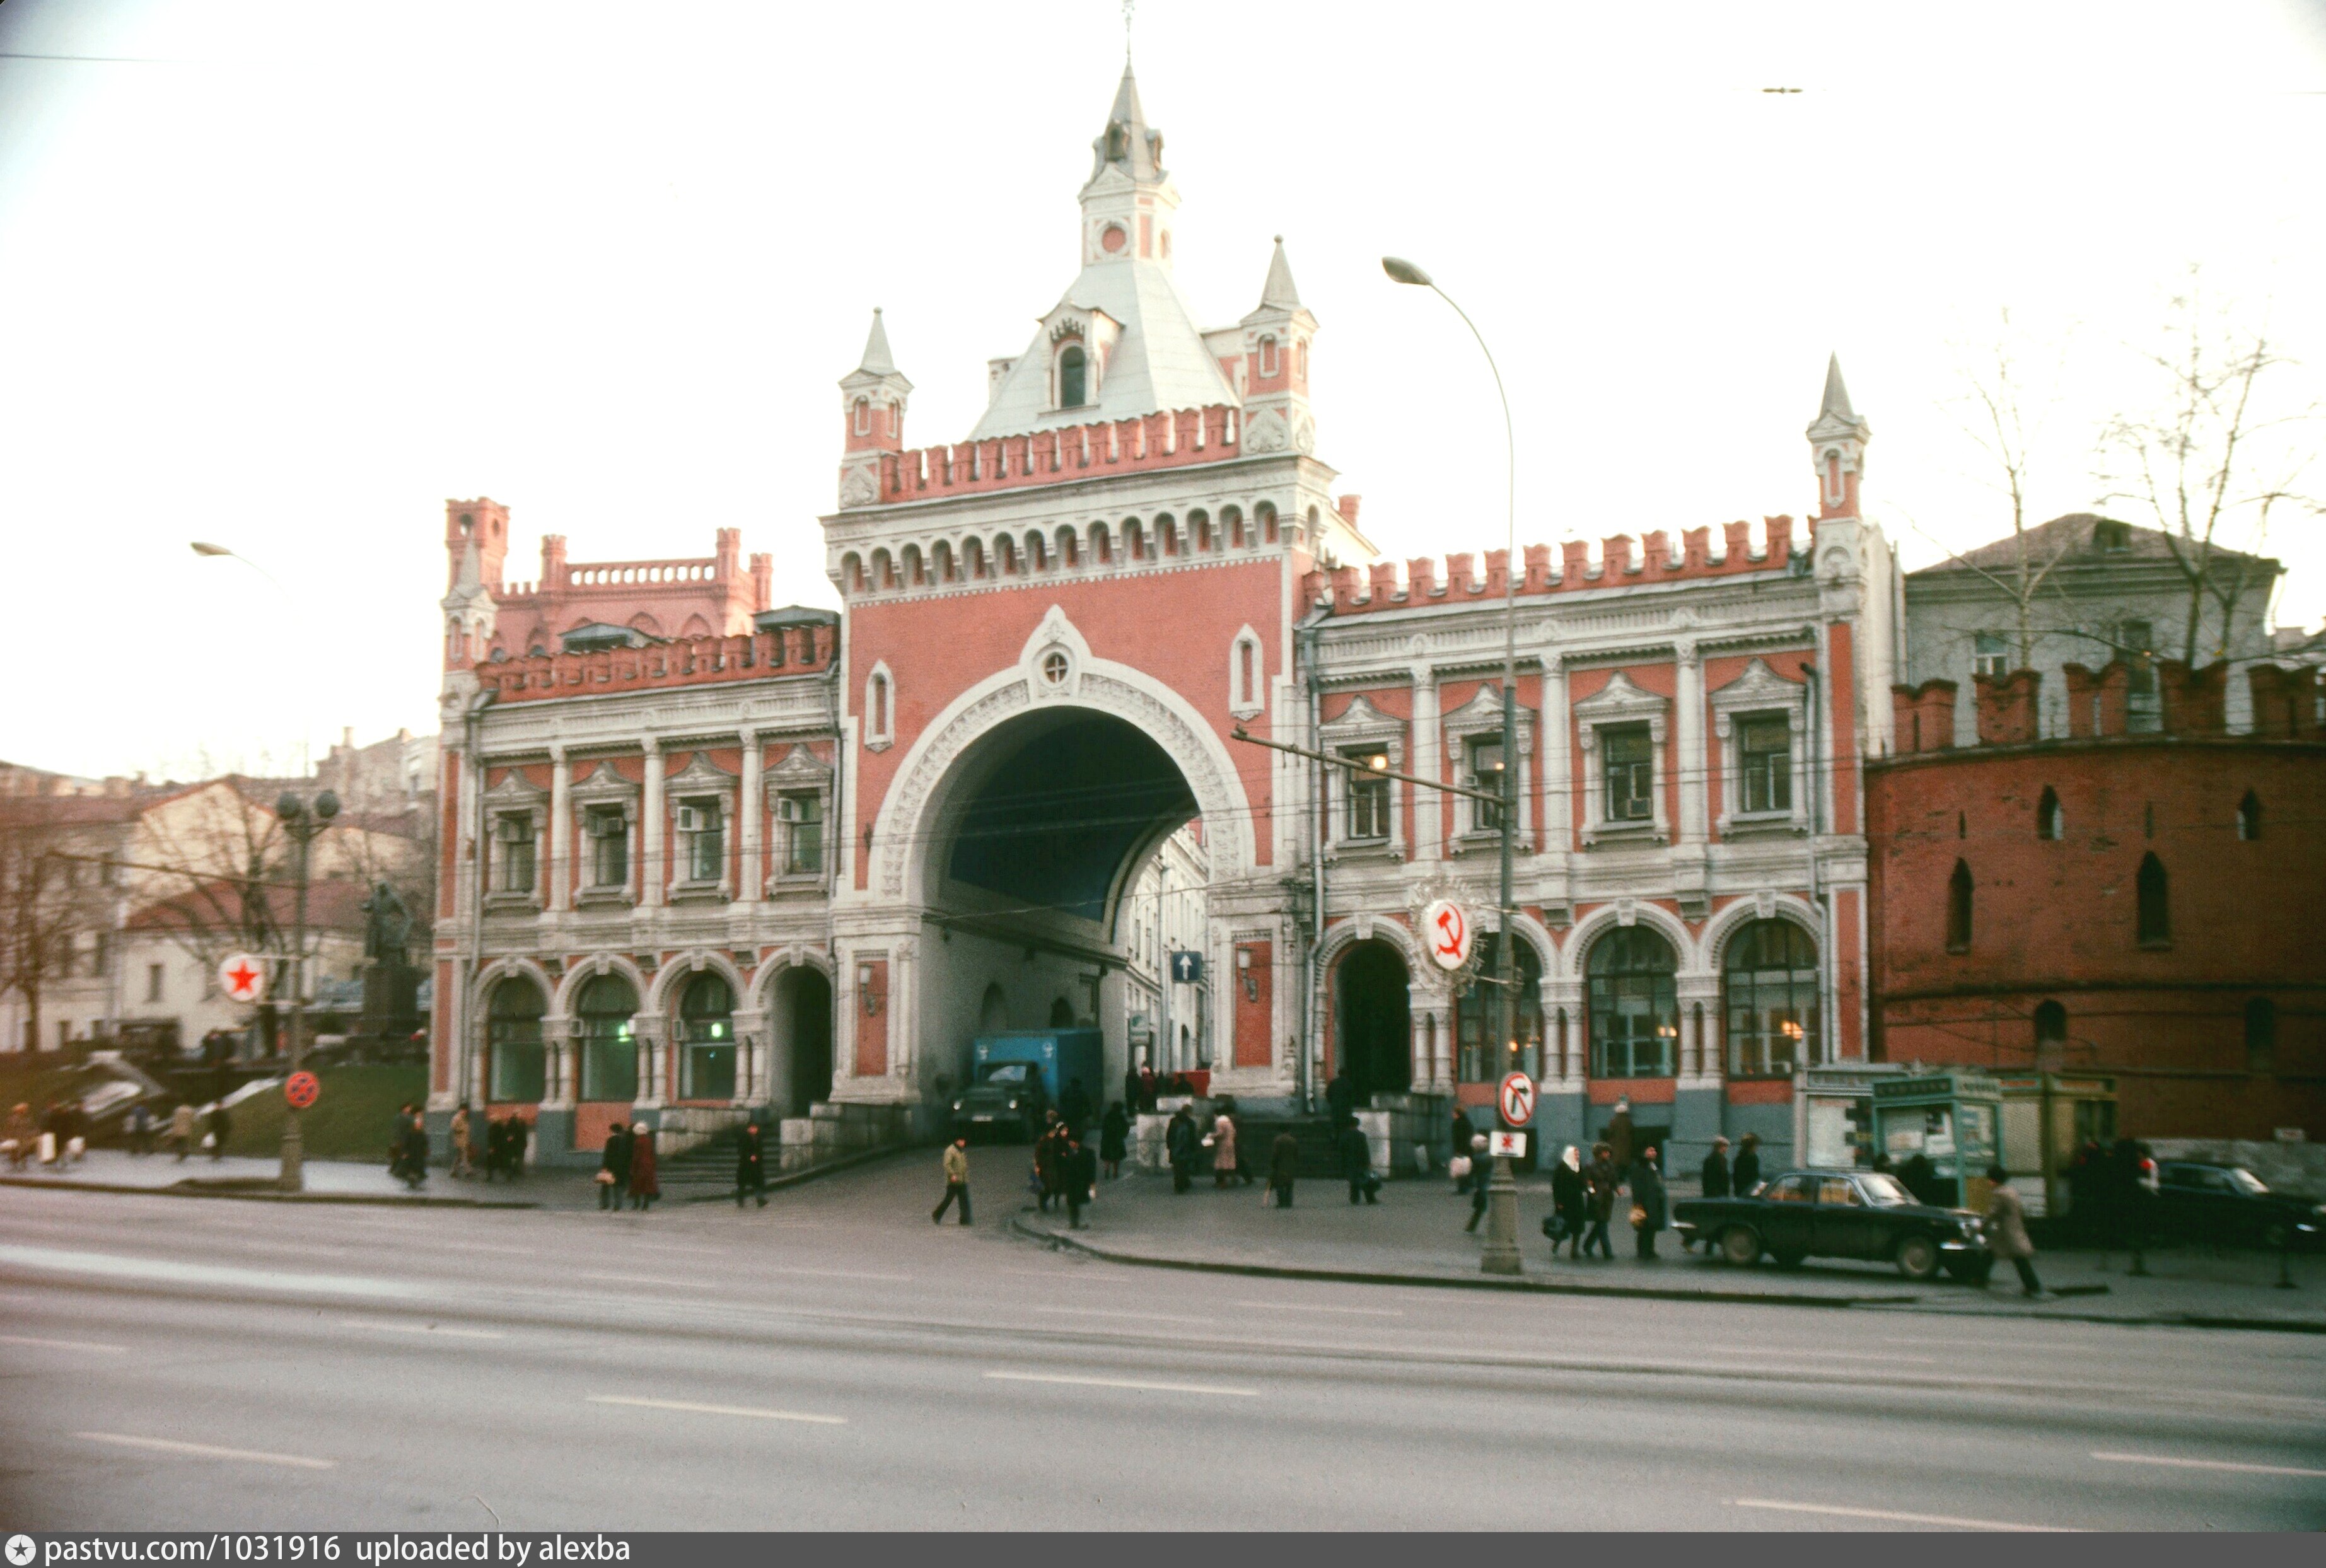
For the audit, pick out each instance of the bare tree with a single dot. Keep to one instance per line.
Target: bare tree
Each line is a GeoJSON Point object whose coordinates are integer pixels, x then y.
{"type": "Point", "coordinates": [1996, 423]}
{"type": "Point", "coordinates": [44, 908]}
{"type": "Point", "coordinates": [2212, 460]}
{"type": "Point", "coordinates": [227, 859]}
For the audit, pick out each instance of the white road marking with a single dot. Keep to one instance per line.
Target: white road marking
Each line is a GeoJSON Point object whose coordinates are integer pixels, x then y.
{"type": "Point", "coordinates": [425, 1329]}
{"type": "Point", "coordinates": [691, 1408]}
{"type": "Point", "coordinates": [1140, 1383]}
{"type": "Point", "coordinates": [1946, 1521]}
{"type": "Point", "coordinates": [111, 1265]}
{"type": "Point", "coordinates": [2209, 1464]}
{"type": "Point", "coordinates": [206, 1451]}
{"type": "Point", "coordinates": [64, 1344]}
{"type": "Point", "coordinates": [843, 1273]}
{"type": "Point", "coordinates": [1116, 1312]}
{"type": "Point", "coordinates": [650, 1279]}
{"type": "Point", "coordinates": [1310, 1306]}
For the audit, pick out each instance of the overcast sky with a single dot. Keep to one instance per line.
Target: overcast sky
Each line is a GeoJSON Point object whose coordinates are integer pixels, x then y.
{"type": "Point", "coordinates": [287, 275]}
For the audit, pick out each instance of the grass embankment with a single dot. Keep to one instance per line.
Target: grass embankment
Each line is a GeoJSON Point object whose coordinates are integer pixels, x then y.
{"type": "Point", "coordinates": [349, 1120]}
{"type": "Point", "coordinates": [37, 1082]}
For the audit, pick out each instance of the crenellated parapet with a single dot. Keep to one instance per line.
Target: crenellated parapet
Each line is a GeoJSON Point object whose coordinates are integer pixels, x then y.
{"type": "Point", "coordinates": [1169, 440]}
{"type": "Point", "coordinates": [691, 661]}
{"type": "Point", "coordinates": [1353, 590]}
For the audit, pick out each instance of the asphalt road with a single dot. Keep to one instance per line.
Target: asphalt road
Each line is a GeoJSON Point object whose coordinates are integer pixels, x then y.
{"type": "Point", "coordinates": [836, 1362]}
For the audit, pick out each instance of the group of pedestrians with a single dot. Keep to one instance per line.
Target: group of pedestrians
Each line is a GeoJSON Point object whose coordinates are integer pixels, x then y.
{"type": "Point", "coordinates": [1584, 1200]}
{"type": "Point", "coordinates": [625, 1169]}
{"type": "Point", "coordinates": [407, 1148]}
{"type": "Point", "coordinates": [1065, 1170]}
{"type": "Point", "coordinates": [504, 1142]}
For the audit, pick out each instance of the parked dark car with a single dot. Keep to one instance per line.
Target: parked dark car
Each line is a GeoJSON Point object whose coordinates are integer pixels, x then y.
{"type": "Point", "coordinates": [1009, 1100]}
{"type": "Point", "coordinates": [2203, 1201]}
{"type": "Point", "coordinates": [1861, 1214]}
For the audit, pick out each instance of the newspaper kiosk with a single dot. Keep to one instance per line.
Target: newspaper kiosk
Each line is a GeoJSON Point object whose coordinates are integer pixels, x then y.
{"type": "Point", "coordinates": [1953, 1120]}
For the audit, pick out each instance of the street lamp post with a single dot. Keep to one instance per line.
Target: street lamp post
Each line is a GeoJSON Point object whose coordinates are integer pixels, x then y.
{"type": "Point", "coordinates": [1502, 1250]}
{"type": "Point", "coordinates": [305, 824]}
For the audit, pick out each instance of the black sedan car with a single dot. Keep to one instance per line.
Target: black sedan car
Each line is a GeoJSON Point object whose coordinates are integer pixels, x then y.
{"type": "Point", "coordinates": [1860, 1214]}
{"type": "Point", "coordinates": [2200, 1201]}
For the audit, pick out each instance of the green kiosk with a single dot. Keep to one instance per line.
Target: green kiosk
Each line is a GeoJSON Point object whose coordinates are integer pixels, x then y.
{"type": "Point", "coordinates": [1952, 1120]}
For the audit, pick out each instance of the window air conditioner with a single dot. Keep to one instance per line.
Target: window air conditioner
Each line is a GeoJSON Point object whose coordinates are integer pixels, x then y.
{"type": "Point", "coordinates": [694, 819]}
{"type": "Point", "coordinates": [787, 809]}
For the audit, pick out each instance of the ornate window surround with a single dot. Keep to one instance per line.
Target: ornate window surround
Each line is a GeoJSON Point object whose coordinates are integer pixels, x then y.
{"type": "Point", "coordinates": [517, 794]}
{"type": "Point", "coordinates": [601, 786]}
{"type": "Point", "coordinates": [1482, 715]}
{"type": "Point", "coordinates": [1621, 702]}
{"type": "Point", "coordinates": [798, 774]}
{"type": "Point", "coordinates": [1246, 699]}
{"type": "Point", "coordinates": [1759, 691]}
{"type": "Point", "coordinates": [1362, 724]}
{"type": "Point", "coordinates": [879, 713]}
{"type": "Point", "coordinates": [701, 780]}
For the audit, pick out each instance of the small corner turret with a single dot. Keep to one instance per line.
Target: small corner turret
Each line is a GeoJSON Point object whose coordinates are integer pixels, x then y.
{"type": "Point", "coordinates": [1837, 439]}
{"type": "Point", "coordinates": [1274, 379]}
{"type": "Point", "coordinates": [872, 399]}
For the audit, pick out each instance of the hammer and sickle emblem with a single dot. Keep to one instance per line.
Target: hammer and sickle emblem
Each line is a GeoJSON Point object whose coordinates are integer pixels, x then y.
{"type": "Point", "coordinates": [1449, 922]}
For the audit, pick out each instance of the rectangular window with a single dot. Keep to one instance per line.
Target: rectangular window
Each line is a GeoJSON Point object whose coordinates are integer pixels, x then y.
{"type": "Point", "coordinates": [1368, 794]}
{"type": "Point", "coordinates": [1765, 747]}
{"type": "Point", "coordinates": [99, 951]}
{"type": "Point", "coordinates": [152, 982]}
{"type": "Point", "coordinates": [1990, 655]}
{"type": "Point", "coordinates": [703, 839]}
{"type": "Point", "coordinates": [513, 852]}
{"type": "Point", "coordinates": [1631, 773]}
{"type": "Point", "coordinates": [1486, 774]}
{"type": "Point", "coordinates": [519, 1065]}
{"type": "Point", "coordinates": [609, 847]}
{"type": "Point", "coordinates": [609, 1065]}
{"type": "Point", "coordinates": [803, 820]}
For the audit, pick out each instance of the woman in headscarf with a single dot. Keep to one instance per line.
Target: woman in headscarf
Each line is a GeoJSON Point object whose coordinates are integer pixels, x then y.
{"type": "Point", "coordinates": [1570, 1203]}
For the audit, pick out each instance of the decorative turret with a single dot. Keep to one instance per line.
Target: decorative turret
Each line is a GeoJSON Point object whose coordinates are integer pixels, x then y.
{"type": "Point", "coordinates": [872, 398]}
{"type": "Point", "coordinates": [483, 523]}
{"type": "Point", "coordinates": [1275, 378]}
{"type": "Point", "coordinates": [1837, 439]}
{"type": "Point", "coordinates": [1129, 202]}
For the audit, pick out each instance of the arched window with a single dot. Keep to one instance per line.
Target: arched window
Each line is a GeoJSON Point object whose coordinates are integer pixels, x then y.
{"type": "Point", "coordinates": [706, 1038]}
{"type": "Point", "coordinates": [876, 706]}
{"type": "Point", "coordinates": [1634, 1009]}
{"type": "Point", "coordinates": [2050, 1036]}
{"type": "Point", "coordinates": [610, 1053]}
{"type": "Point", "coordinates": [1958, 892]}
{"type": "Point", "coordinates": [2249, 818]}
{"type": "Point", "coordinates": [2261, 1036]}
{"type": "Point", "coordinates": [2050, 821]}
{"type": "Point", "coordinates": [1300, 359]}
{"type": "Point", "coordinates": [515, 1069]}
{"type": "Point", "coordinates": [1267, 364]}
{"type": "Point", "coordinates": [2155, 918]}
{"type": "Point", "coordinates": [863, 417]}
{"type": "Point", "coordinates": [1072, 377]}
{"type": "Point", "coordinates": [1769, 985]}
{"type": "Point", "coordinates": [1474, 1010]}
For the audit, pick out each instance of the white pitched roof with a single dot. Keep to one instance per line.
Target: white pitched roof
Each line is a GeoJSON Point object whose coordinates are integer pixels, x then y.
{"type": "Point", "coordinates": [1159, 362]}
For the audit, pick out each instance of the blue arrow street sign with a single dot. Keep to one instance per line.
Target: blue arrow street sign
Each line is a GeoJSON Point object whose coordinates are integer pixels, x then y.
{"type": "Point", "coordinates": [1187, 967]}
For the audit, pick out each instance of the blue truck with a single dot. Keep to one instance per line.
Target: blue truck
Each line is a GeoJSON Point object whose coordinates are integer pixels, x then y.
{"type": "Point", "coordinates": [1018, 1074]}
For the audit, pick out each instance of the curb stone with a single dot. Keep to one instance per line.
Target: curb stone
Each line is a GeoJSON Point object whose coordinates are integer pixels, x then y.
{"type": "Point", "coordinates": [191, 1188]}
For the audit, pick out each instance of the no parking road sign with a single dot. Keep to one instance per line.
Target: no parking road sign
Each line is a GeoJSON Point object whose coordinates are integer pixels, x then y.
{"type": "Point", "coordinates": [300, 1089]}
{"type": "Point", "coordinates": [1517, 1100]}
{"type": "Point", "coordinates": [242, 976]}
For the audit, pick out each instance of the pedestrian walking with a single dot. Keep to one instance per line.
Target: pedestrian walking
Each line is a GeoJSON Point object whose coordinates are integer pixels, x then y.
{"type": "Point", "coordinates": [182, 1130]}
{"type": "Point", "coordinates": [1283, 1166]}
{"type": "Point", "coordinates": [2007, 1231]}
{"type": "Point", "coordinates": [20, 1136]}
{"type": "Point", "coordinates": [1114, 1138]}
{"type": "Point", "coordinates": [752, 1163]}
{"type": "Point", "coordinates": [1223, 1145]}
{"type": "Point", "coordinates": [1147, 1086]}
{"type": "Point", "coordinates": [1181, 1143]}
{"type": "Point", "coordinates": [1650, 1210]}
{"type": "Point", "coordinates": [1570, 1202]}
{"type": "Point", "coordinates": [644, 1185]}
{"type": "Point", "coordinates": [141, 1129]}
{"type": "Point", "coordinates": [1619, 1134]}
{"type": "Point", "coordinates": [1357, 1163]}
{"type": "Point", "coordinates": [1047, 1180]}
{"type": "Point", "coordinates": [462, 1167]}
{"type": "Point", "coordinates": [1078, 1168]}
{"type": "Point", "coordinates": [614, 1168]}
{"type": "Point", "coordinates": [1458, 1163]}
{"type": "Point", "coordinates": [220, 1126]}
{"type": "Point", "coordinates": [520, 1132]}
{"type": "Point", "coordinates": [1481, 1182]}
{"type": "Point", "coordinates": [956, 1175]}
{"type": "Point", "coordinates": [1130, 1091]}
{"type": "Point", "coordinates": [1745, 1175]}
{"type": "Point", "coordinates": [1599, 1185]}
{"type": "Point", "coordinates": [1920, 1176]}
{"type": "Point", "coordinates": [413, 1139]}
{"type": "Point", "coordinates": [1245, 1172]}
{"type": "Point", "coordinates": [1715, 1170]}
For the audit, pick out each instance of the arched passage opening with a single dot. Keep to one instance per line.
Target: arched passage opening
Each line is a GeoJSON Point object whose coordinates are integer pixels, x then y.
{"type": "Point", "coordinates": [799, 1075]}
{"type": "Point", "coordinates": [1373, 1033]}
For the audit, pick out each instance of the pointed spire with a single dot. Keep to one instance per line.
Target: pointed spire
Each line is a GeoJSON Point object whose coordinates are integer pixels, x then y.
{"type": "Point", "coordinates": [878, 361]}
{"type": "Point", "coordinates": [1837, 395]}
{"type": "Point", "coordinates": [1277, 292]}
{"type": "Point", "coordinates": [1127, 143]}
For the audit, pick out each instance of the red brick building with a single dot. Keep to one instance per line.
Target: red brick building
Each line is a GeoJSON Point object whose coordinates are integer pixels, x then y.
{"type": "Point", "coordinates": [2146, 905]}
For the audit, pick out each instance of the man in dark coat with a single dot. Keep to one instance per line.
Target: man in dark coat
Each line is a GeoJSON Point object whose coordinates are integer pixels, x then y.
{"type": "Point", "coordinates": [615, 1162]}
{"type": "Point", "coordinates": [1570, 1204]}
{"type": "Point", "coordinates": [1920, 1176]}
{"type": "Point", "coordinates": [1459, 1147]}
{"type": "Point", "coordinates": [1648, 1197]}
{"type": "Point", "coordinates": [416, 1153]}
{"type": "Point", "coordinates": [1114, 1138]}
{"type": "Point", "coordinates": [1182, 1143]}
{"type": "Point", "coordinates": [1600, 1182]}
{"type": "Point", "coordinates": [1745, 1174]}
{"type": "Point", "coordinates": [1340, 1097]}
{"type": "Point", "coordinates": [1715, 1170]}
{"type": "Point", "coordinates": [752, 1163]}
{"type": "Point", "coordinates": [1074, 1106]}
{"type": "Point", "coordinates": [1619, 1134]}
{"type": "Point", "coordinates": [1357, 1161]}
{"type": "Point", "coordinates": [1130, 1099]}
{"type": "Point", "coordinates": [1283, 1165]}
{"type": "Point", "coordinates": [1078, 1169]}
{"type": "Point", "coordinates": [1147, 1088]}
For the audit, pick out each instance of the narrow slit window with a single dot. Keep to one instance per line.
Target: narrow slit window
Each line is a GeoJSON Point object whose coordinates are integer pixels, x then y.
{"type": "Point", "coordinates": [2050, 821]}
{"type": "Point", "coordinates": [2155, 916]}
{"type": "Point", "coordinates": [1959, 899]}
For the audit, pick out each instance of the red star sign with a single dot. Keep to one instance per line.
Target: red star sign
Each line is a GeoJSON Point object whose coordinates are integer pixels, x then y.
{"type": "Point", "coordinates": [243, 980]}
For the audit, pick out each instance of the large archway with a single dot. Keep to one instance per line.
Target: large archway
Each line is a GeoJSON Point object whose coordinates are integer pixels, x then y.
{"type": "Point", "coordinates": [1372, 1034]}
{"type": "Point", "coordinates": [800, 1075]}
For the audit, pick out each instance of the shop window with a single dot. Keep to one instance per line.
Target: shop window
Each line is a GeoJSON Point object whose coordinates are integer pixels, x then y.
{"type": "Point", "coordinates": [516, 1069]}
{"type": "Point", "coordinates": [1959, 895]}
{"type": "Point", "coordinates": [1634, 1009]}
{"type": "Point", "coordinates": [706, 1039]}
{"type": "Point", "coordinates": [2154, 912]}
{"type": "Point", "coordinates": [1769, 984]}
{"type": "Point", "coordinates": [610, 1053]}
{"type": "Point", "coordinates": [1473, 1009]}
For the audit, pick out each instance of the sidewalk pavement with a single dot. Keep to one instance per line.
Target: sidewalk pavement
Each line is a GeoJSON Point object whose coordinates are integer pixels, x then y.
{"type": "Point", "coordinates": [327, 1182]}
{"type": "Point", "coordinates": [1414, 1235]}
